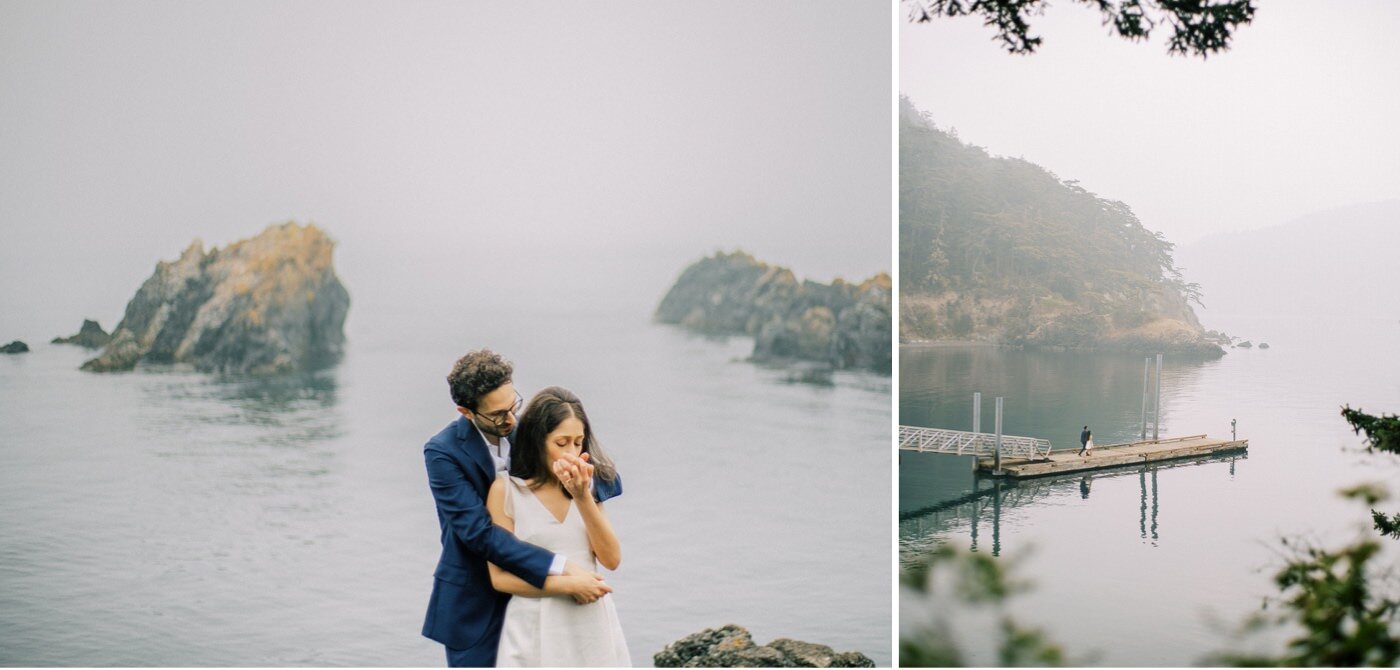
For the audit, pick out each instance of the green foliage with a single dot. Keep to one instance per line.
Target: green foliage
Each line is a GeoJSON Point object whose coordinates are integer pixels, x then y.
{"type": "Point", "coordinates": [1022, 647]}
{"type": "Point", "coordinates": [1388, 526]}
{"type": "Point", "coordinates": [953, 582]}
{"type": "Point", "coordinates": [1382, 432]}
{"type": "Point", "coordinates": [920, 318]}
{"type": "Point", "coordinates": [958, 318]}
{"type": "Point", "coordinates": [1328, 593]}
{"type": "Point", "coordinates": [1332, 595]}
{"type": "Point", "coordinates": [975, 224]}
{"type": "Point", "coordinates": [1199, 27]}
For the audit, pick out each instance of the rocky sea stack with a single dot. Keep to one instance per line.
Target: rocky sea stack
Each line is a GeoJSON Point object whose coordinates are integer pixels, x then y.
{"type": "Point", "coordinates": [265, 305]}
{"type": "Point", "coordinates": [90, 335]}
{"type": "Point", "coordinates": [733, 647]}
{"type": "Point", "coordinates": [844, 325]}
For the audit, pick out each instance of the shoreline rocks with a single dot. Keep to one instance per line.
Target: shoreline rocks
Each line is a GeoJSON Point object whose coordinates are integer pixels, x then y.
{"type": "Point", "coordinates": [16, 347]}
{"type": "Point", "coordinates": [90, 336]}
{"type": "Point", "coordinates": [1153, 322]}
{"type": "Point", "coordinates": [847, 326]}
{"type": "Point", "coordinates": [265, 305]}
{"type": "Point", "coordinates": [732, 646]}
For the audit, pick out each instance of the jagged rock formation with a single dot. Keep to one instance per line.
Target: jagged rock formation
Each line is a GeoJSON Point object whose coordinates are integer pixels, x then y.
{"type": "Point", "coordinates": [265, 305]}
{"type": "Point", "coordinates": [732, 647]}
{"type": "Point", "coordinates": [90, 336]}
{"type": "Point", "coordinates": [844, 325]}
{"type": "Point", "coordinates": [16, 347]}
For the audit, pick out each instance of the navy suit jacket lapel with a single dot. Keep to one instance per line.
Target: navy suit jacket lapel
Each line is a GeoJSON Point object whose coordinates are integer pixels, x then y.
{"type": "Point", "coordinates": [476, 449]}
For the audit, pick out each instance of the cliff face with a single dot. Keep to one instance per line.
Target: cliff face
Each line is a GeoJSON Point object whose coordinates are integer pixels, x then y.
{"type": "Point", "coordinates": [264, 305]}
{"type": "Point", "coordinates": [845, 325]}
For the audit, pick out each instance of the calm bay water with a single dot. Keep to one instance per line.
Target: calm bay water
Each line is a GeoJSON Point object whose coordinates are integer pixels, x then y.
{"type": "Point", "coordinates": [1152, 566]}
{"type": "Point", "coordinates": [164, 517]}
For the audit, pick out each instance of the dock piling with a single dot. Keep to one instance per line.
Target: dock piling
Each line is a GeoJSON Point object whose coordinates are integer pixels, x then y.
{"type": "Point", "coordinates": [1145, 374]}
{"type": "Point", "coordinates": [1157, 409]}
{"type": "Point", "coordinates": [997, 468]}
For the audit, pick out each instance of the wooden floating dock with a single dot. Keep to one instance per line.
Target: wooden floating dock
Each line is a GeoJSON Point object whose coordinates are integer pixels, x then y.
{"type": "Point", "coordinates": [1111, 456]}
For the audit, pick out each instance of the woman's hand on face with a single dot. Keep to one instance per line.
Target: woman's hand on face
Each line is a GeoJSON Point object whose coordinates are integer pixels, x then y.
{"type": "Point", "coordinates": [575, 473]}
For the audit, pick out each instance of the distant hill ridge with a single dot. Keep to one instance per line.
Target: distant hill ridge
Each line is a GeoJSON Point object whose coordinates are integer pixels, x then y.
{"type": "Point", "coordinates": [1336, 262]}
{"type": "Point", "coordinates": [1001, 250]}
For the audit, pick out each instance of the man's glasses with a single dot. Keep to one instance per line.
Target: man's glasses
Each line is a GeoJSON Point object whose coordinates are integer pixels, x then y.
{"type": "Point", "coordinates": [498, 418]}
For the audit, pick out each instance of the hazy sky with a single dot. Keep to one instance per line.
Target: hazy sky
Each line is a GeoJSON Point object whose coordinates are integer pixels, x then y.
{"type": "Point", "coordinates": [1299, 116]}
{"type": "Point", "coordinates": [464, 154]}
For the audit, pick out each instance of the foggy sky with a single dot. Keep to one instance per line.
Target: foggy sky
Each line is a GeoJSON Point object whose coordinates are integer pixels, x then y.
{"type": "Point", "coordinates": [464, 155]}
{"type": "Point", "coordinates": [1298, 117]}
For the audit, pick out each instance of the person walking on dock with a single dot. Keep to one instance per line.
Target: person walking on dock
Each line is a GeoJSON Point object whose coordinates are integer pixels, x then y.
{"type": "Point", "coordinates": [1086, 441]}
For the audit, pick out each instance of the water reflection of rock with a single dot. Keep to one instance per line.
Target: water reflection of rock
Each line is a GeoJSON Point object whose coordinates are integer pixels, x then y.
{"type": "Point", "coordinates": [294, 416]}
{"type": "Point", "coordinates": [979, 511]}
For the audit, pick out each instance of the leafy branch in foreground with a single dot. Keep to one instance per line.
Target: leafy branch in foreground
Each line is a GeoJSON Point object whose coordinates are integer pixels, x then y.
{"type": "Point", "coordinates": [1330, 595]}
{"type": "Point", "coordinates": [1382, 432]}
{"type": "Point", "coordinates": [956, 596]}
{"type": "Point", "coordinates": [1199, 27]}
{"type": "Point", "coordinates": [1343, 600]}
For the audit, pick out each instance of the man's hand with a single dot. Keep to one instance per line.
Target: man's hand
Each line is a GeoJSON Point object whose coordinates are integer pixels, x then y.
{"type": "Point", "coordinates": [586, 588]}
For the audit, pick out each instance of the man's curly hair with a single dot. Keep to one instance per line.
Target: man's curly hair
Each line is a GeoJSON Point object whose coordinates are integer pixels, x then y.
{"type": "Point", "coordinates": [475, 375]}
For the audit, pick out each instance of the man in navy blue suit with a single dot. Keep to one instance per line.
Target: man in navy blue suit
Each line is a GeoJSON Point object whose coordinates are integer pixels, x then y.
{"type": "Point", "coordinates": [464, 612]}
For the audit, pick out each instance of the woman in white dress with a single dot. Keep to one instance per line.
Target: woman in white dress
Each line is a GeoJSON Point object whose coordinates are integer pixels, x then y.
{"type": "Point", "coordinates": [559, 515]}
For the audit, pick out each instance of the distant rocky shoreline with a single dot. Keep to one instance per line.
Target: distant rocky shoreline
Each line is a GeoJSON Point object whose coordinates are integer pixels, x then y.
{"type": "Point", "coordinates": [845, 326]}
{"type": "Point", "coordinates": [90, 336]}
{"type": "Point", "coordinates": [1166, 325]}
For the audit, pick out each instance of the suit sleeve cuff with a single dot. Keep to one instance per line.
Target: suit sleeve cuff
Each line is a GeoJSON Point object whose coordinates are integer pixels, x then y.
{"type": "Point", "coordinates": [556, 567]}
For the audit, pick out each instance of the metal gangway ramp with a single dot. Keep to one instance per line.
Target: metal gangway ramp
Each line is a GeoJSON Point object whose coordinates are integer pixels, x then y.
{"type": "Point", "coordinates": [963, 443]}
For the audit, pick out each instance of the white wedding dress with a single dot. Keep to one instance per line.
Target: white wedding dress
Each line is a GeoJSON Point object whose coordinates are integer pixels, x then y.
{"type": "Point", "coordinates": [556, 631]}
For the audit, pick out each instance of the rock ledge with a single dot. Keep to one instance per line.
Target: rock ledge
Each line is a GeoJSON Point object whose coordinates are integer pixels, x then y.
{"type": "Point", "coordinates": [732, 646]}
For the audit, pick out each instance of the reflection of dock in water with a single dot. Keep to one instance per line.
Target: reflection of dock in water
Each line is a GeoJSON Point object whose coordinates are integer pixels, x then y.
{"type": "Point", "coordinates": [924, 529]}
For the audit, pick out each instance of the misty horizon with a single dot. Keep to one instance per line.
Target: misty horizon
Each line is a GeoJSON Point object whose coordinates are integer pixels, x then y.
{"type": "Point", "coordinates": [1294, 119]}
{"type": "Point", "coordinates": [462, 156]}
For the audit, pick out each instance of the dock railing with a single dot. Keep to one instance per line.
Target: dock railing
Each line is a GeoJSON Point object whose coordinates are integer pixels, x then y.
{"type": "Point", "coordinates": [964, 443]}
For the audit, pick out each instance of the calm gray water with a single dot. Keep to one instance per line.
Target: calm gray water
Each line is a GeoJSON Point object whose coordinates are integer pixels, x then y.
{"type": "Point", "coordinates": [164, 517]}
{"type": "Point", "coordinates": [1151, 567]}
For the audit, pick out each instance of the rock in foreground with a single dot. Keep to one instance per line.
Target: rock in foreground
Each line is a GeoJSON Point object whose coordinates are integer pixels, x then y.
{"type": "Point", "coordinates": [844, 325]}
{"type": "Point", "coordinates": [90, 335]}
{"type": "Point", "coordinates": [265, 305]}
{"type": "Point", "coordinates": [733, 647]}
{"type": "Point", "coordinates": [15, 347]}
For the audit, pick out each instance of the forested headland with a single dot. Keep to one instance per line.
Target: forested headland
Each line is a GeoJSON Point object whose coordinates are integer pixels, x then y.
{"type": "Point", "coordinates": [1001, 250]}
